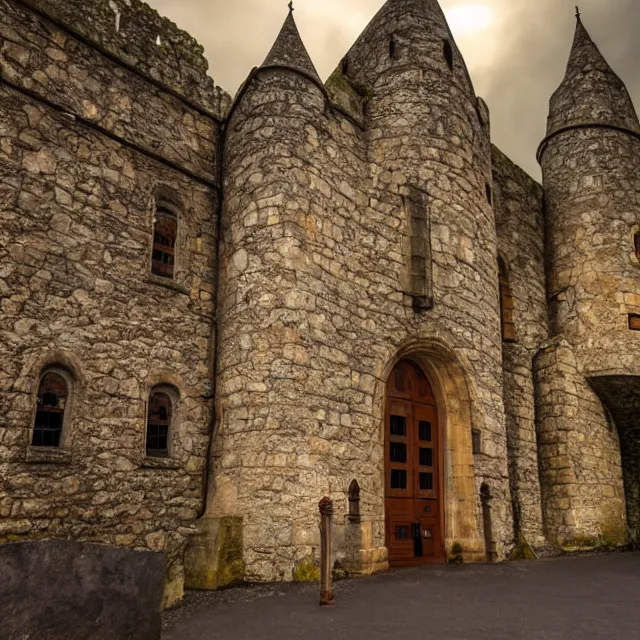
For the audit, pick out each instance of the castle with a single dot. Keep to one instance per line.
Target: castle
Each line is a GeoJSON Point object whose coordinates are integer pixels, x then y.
{"type": "Point", "coordinates": [214, 312]}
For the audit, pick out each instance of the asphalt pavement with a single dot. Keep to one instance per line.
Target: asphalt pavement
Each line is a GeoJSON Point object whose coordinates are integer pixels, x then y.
{"type": "Point", "coordinates": [560, 599]}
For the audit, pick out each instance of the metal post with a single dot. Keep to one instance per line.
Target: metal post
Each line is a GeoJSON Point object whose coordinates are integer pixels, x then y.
{"type": "Point", "coordinates": [327, 597]}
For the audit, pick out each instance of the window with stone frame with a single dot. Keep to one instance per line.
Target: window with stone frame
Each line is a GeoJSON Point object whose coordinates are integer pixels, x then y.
{"type": "Point", "coordinates": [636, 244]}
{"type": "Point", "coordinates": [165, 233]}
{"type": "Point", "coordinates": [506, 303]}
{"type": "Point", "coordinates": [416, 209]}
{"type": "Point", "coordinates": [51, 406]}
{"type": "Point", "coordinates": [160, 416]}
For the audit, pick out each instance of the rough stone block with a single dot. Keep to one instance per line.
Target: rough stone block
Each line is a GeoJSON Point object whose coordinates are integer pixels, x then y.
{"type": "Point", "coordinates": [73, 590]}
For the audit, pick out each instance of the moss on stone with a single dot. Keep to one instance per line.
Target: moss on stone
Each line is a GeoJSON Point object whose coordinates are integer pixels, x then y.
{"type": "Point", "coordinates": [230, 562]}
{"type": "Point", "coordinates": [306, 571]}
{"type": "Point", "coordinates": [455, 556]}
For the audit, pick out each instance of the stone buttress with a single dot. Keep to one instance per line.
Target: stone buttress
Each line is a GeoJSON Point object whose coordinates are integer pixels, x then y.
{"type": "Point", "coordinates": [591, 166]}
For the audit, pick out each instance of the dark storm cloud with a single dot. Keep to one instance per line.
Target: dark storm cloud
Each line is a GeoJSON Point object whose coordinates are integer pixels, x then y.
{"type": "Point", "coordinates": [516, 64]}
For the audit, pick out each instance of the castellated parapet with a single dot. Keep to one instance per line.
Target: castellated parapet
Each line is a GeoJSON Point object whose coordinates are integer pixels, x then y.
{"type": "Point", "coordinates": [216, 312]}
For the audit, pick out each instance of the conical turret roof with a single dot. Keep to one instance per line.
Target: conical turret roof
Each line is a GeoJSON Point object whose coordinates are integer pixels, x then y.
{"type": "Point", "coordinates": [591, 93]}
{"type": "Point", "coordinates": [289, 50]}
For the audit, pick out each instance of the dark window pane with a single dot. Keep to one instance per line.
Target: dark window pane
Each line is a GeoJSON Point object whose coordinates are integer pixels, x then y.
{"type": "Point", "coordinates": [402, 532]}
{"type": "Point", "coordinates": [164, 242]}
{"type": "Point", "coordinates": [476, 441]}
{"type": "Point", "coordinates": [426, 482]}
{"type": "Point", "coordinates": [398, 452]}
{"type": "Point", "coordinates": [160, 410]}
{"type": "Point", "coordinates": [398, 479]}
{"type": "Point", "coordinates": [52, 397]}
{"type": "Point", "coordinates": [425, 431]}
{"type": "Point", "coordinates": [426, 457]}
{"type": "Point", "coordinates": [398, 426]}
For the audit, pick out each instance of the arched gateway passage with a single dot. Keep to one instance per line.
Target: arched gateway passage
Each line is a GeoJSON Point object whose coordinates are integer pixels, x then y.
{"type": "Point", "coordinates": [413, 469]}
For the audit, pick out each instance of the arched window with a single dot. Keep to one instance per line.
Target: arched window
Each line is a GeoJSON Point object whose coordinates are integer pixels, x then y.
{"type": "Point", "coordinates": [506, 303]}
{"type": "Point", "coordinates": [165, 232]}
{"type": "Point", "coordinates": [636, 244]}
{"type": "Point", "coordinates": [160, 415]}
{"type": "Point", "coordinates": [447, 52]}
{"type": "Point", "coordinates": [354, 501]}
{"type": "Point", "coordinates": [52, 403]}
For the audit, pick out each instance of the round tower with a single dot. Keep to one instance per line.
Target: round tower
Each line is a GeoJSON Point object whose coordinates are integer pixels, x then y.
{"type": "Point", "coordinates": [429, 146]}
{"type": "Point", "coordinates": [359, 251]}
{"type": "Point", "coordinates": [591, 174]}
{"type": "Point", "coordinates": [263, 311]}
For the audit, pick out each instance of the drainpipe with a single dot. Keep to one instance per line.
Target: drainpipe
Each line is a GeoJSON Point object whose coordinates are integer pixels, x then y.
{"type": "Point", "coordinates": [214, 331]}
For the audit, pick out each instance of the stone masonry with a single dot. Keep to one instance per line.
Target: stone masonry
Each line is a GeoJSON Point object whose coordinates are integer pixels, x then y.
{"type": "Point", "coordinates": [325, 232]}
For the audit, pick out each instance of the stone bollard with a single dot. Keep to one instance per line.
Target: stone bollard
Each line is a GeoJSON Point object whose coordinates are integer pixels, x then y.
{"type": "Point", "coordinates": [327, 597]}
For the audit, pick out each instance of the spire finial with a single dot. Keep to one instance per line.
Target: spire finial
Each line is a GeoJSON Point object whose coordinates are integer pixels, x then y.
{"type": "Point", "coordinates": [291, 7]}
{"type": "Point", "coordinates": [578, 14]}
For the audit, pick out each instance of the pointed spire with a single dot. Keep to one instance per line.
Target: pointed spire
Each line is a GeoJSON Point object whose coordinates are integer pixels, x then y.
{"type": "Point", "coordinates": [289, 50]}
{"type": "Point", "coordinates": [591, 92]}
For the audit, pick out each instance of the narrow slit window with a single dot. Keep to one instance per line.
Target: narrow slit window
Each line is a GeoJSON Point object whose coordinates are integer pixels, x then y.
{"type": "Point", "coordinates": [506, 303]}
{"type": "Point", "coordinates": [447, 52]}
{"type": "Point", "coordinates": [636, 244]}
{"type": "Point", "coordinates": [165, 231]}
{"type": "Point", "coordinates": [53, 394]}
{"type": "Point", "coordinates": [159, 418]}
{"type": "Point", "coordinates": [476, 441]}
{"type": "Point", "coordinates": [489, 193]}
{"type": "Point", "coordinates": [393, 49]}
{"type": "Point", "coordinates": [421, 286]}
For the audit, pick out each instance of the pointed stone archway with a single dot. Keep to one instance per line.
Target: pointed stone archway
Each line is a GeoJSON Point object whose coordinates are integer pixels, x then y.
{"type": "Point", "coordinates": [453, 395]}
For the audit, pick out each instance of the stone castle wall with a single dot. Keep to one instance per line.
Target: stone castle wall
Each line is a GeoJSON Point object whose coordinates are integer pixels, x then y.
{"type": "Point", "coordinates": [87, 144]}
{"type": "Point", "coordinates": [107, 109]}
{"type": "Point", "coordinates": [520, 226]}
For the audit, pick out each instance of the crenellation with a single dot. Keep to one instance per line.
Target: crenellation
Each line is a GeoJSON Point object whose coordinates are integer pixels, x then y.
{"type": "Point", "coordinates": [145, 41]}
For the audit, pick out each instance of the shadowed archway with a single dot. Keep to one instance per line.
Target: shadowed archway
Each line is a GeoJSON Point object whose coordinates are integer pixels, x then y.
{"type": "Point", "coordinates": [621, 396]}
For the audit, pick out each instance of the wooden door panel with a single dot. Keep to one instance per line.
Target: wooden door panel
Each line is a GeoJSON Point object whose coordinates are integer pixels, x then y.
{"type": "Point", "coordinates": [398, 451]}
{"type": "Point", "coordinates": [412, 469]}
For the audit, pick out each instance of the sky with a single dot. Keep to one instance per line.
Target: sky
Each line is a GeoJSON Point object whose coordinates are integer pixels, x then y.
{"type": "Point", "coordinates": [516, 50]}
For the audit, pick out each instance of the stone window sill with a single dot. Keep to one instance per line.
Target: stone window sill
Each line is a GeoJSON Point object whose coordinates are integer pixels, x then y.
{"type": "Point", "coordinates": [48, 455]}
{"type": "Point", "coordinates": [167, 284]}
{"type": "Point", "coordinates": [150, 462]}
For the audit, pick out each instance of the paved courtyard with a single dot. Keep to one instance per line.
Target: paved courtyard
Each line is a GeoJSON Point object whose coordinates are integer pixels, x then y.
{"type": "Point", "coordinates": [561, 599]}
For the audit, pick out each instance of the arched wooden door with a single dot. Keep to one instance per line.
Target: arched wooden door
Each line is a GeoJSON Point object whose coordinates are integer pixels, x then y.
{"type": "Point", "coordinates": [413, 483]}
